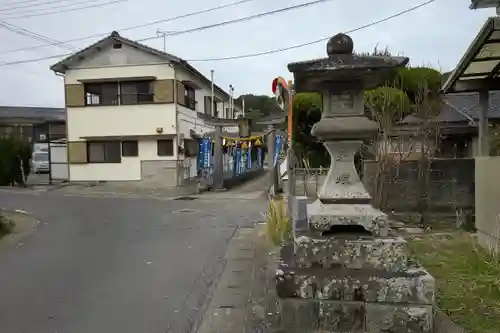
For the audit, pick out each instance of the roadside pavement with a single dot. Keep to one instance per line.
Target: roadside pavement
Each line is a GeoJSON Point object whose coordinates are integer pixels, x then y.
{"type": "Point", "coordinates": [244, 299]}
{"type": "Point", "coordinates": [115, 264]}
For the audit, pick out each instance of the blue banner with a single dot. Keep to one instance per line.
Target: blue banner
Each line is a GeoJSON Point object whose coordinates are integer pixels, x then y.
{"type": "Point", "coordinates": [200, 155]}
{"type": "Point", "coordinates": [249, 158]}
{"type": "Point", "coordinates": [238, 161]}
{"type": "Point", "coordinates": [277, 148]}
{"type": "Point", "coordinates": [207, 152]}
{"type": "Point", "coordinates": [259, 157]}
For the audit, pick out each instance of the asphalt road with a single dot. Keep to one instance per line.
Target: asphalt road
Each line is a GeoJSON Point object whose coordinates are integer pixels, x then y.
{"type": "Point", "coordinates": [115, 265]}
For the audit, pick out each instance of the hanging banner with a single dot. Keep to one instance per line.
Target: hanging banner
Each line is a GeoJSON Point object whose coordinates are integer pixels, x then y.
{"type": "Point", "coordinates": [277, 149]}
{"type": "Point", "coordinates": [207, 152]}
{"type": "Point", "coordinates": [244, 160]}
{"type": "Point", "coordinates": [259, 157]}
{"type": "Point", "coordinates": [200, 155]}
{"type": "Point", "coordinates": [249, 158]}
{"type": "Point", "coordinates": [238, 161]}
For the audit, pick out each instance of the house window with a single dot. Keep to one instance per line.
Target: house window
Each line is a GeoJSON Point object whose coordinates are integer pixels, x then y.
{"type": "Point", "coordinates": [119, 93]}
{"type": "Point", "coordinates": [130, 148]}
{"type": "Point", "coordinates": [166, 147]}
{"type": "Point", "coordinates": [189, 96]}
{"type": "Point", "coordinates": [136, 92]}
{"type": "Point", "coordinates": [104, 152]}
{"type": "Point", "coordinates": [101, 93]}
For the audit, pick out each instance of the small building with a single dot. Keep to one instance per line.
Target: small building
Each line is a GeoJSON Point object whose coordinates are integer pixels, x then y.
{"type": "Point", "coordinates": [454, 129]}
{"type": "Point", "coordinates": [132, 111]}
{"type": "Point", "coordinates": [32, 124]}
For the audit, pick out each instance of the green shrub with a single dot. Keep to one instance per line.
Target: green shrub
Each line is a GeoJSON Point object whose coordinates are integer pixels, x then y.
{"type": "Point", "coordinates": [11, 151]}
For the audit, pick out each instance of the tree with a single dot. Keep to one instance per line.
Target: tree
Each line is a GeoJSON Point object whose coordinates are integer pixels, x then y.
{"type": "Point", "coordinates": [307, 112]}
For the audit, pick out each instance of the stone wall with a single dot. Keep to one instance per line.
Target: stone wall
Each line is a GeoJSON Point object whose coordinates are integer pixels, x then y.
{"type": "Point", "coordinates": [450, 187]}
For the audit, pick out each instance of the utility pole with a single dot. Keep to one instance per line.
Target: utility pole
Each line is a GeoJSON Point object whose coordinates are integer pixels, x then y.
{"type": "Point", "coordinates": [212, 93]}
{"type": "Point", "coordinates": [243, 105]}
{"type": "Point", "coordinates": [231, 101]}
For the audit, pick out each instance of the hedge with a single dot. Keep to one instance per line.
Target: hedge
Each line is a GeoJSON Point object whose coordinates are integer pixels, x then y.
{"type": "Point", "coordinates": [12, 152]}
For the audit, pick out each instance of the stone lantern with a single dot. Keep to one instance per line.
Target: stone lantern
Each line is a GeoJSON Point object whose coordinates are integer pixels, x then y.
{"type": "Point", "coordinates": [348, 272]}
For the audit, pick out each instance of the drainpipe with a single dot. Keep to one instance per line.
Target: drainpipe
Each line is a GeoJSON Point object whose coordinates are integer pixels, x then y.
{"type": "Point", "coordinates": [65, 125]}
{"type": "Point", "coordinates": [177, 136]}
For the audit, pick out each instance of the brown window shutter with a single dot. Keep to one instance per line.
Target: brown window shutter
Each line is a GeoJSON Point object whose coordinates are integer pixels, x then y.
{"type": "Point", "coordinates": [181, 93]}
{"type": "Point", "coordinates": [77, 152]}
{"type": "Point", "coordinates": [75, 95]}
{"type": "Point", "coordinates": [164, 91]}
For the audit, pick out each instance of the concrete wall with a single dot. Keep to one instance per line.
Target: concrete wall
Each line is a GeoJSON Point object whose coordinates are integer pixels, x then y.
{"type": "Point", "coordinates": [450, 187]}
{"type": "Point", "coordinates": [487, 202]}
{"type": "Point", "coordinates": [159, 172]}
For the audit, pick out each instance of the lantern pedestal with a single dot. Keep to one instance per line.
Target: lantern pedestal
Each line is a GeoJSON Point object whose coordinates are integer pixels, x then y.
{"type": "Point", "coordinates": [348, 273]}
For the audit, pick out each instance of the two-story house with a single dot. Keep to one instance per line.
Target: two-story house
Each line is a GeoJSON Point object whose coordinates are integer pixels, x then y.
{"type": "Point", "coordinates": [131, 111]}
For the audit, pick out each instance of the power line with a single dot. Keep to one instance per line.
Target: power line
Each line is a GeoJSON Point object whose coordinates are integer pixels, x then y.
{"type": "Point", "coordinates": [138, 26]}
{"type": "Point", "coordinates": [34, 35]}
{"type": "Point", "coordinates": [21, 2]}
{"type": "Point", "coordinates": [24, 5]}
{"type": "Point", "coordinates": [251, 55]}
{"type": "Point", "coordinates": [63, 11]}
{"type": "Point", "coordinates": [260, 53]}
{"type": "Point", "coordinates": [246, 18]}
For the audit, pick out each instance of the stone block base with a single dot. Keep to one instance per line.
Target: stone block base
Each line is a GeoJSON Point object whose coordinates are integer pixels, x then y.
{"type": "Point", "coordinates": [322, 217]}
{"type": "Point", "coordinates": [308, 316]}
{"type": "Point", "coordinates": [413, 286]}
{"type": "Point", "coordinates": [359, 252]}
{"type": "Point", "coordinates": [388, 318]}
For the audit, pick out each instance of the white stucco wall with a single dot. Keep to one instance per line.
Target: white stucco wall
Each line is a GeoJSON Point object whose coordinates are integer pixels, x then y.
{"type": "Point", "coordinates": [120, 119]}
{"type": "Point", "coordinates": [129, 169]}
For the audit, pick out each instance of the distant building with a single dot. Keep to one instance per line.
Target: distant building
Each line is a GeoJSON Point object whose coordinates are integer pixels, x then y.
{"type": "Point", "coordinates": [33, 124]}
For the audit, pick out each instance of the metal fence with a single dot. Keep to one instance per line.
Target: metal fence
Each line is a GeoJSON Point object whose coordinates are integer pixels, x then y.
{"type": "Point", "coordinates": [307, 181]}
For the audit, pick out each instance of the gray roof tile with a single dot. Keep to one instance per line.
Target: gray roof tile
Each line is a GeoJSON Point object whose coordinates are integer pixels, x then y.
{"type": "Point", "coordinates": [461, 108]}
{"type": "Point", "coordinates": [29, 112]}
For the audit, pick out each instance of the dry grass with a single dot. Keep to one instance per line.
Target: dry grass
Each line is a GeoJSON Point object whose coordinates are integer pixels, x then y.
{"type": "Point", "coordinates": [468, 279]}
{"type": "Point", "coordinates": [278, 221]}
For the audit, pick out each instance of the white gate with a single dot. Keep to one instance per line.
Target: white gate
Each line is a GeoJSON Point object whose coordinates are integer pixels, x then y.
{"type": "Point", "coordinates": [58, 160]}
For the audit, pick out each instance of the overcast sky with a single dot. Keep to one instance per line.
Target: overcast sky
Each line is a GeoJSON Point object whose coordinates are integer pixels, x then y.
{"type": "Point", "coordinates": [436, 35]}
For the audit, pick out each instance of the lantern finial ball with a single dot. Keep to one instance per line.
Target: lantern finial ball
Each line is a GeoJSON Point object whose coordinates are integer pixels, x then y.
{"type": "Point", "coordinates": [340, 44]}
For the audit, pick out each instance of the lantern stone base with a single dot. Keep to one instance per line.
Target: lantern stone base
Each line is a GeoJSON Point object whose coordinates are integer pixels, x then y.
{"type": "Point", "coordinates": [323, 217]}
{"type": "Point", "coordinates": [413, 285]}
{"type": "Point", "coordinates": [350, 251]}
{"type": "Point", "coordinates": [342, 300]}
{"type": "Point", "coordinates": [304, 316]}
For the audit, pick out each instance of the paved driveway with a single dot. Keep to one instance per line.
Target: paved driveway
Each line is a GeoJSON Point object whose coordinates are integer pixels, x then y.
{"type": "Point", "coordinates": [115, 265]}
